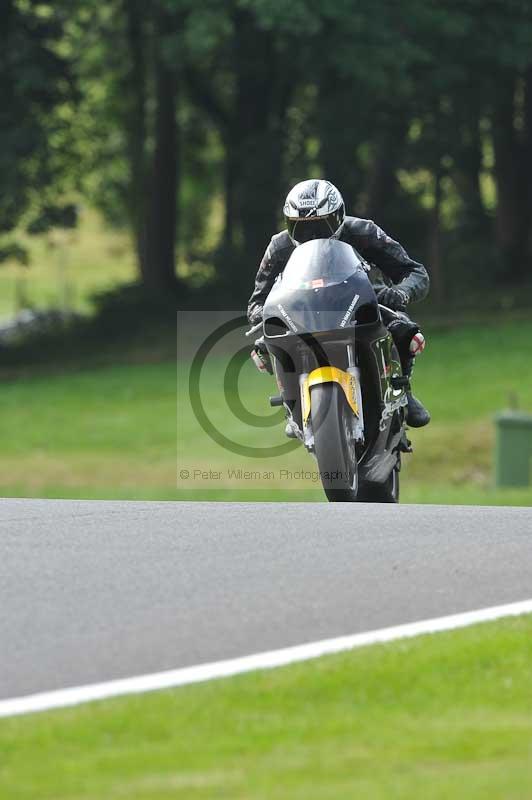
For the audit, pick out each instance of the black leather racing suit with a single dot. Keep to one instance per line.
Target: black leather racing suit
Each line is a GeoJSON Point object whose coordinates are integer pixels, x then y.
{"type": "Point", "coordinates": [368, 239]}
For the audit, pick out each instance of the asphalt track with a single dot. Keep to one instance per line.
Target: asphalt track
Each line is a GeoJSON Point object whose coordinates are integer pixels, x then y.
{"type": "Point", "coordinates": [93, 591]}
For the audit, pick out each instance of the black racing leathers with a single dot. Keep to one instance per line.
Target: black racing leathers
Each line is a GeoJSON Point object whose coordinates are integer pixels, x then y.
{"type": "Point", "coordinates": [369, 241]}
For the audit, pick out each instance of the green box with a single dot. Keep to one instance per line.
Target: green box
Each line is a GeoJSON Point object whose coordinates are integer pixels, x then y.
{"type": "Point", "coordinates": [513, 448]}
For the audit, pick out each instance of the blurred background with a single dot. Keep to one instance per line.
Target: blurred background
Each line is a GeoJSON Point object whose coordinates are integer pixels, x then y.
{"type": "Point", "coordinates": [145, 152]}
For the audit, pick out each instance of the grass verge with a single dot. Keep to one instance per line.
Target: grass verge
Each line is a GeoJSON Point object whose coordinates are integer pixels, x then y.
{"type": "Point", "coordinates": [442, 716]}
{"type": "Point", "coordinates": [110, 432]}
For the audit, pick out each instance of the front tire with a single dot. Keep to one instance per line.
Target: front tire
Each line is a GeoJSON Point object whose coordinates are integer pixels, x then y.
{"type": "Point", "coordinates": [387, 492]}
{"type": "Point", "coordinates": [334, 442]}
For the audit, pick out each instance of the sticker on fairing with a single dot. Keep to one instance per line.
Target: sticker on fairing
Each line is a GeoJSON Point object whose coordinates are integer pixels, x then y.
{"type": "Point", "coordinates": [287, 317]}
{"type": "Point", "coordinates": [347, 316]}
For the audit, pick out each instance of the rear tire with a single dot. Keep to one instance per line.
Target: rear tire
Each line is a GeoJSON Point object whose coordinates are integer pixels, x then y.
{"type": "Point", "coordinates": [334, 442]}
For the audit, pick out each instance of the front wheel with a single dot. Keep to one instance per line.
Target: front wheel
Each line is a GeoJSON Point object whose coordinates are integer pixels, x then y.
{"type": "Point", "coordinates": [387, 492]}
{"type": "Point", "coordinates": [334, 442]}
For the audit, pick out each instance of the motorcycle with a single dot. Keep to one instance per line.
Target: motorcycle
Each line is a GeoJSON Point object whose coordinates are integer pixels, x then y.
{"type": "Point", "coordinates": [338, 371]}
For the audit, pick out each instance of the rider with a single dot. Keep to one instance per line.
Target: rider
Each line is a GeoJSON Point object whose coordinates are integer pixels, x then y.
{"type": "Point", "coordinates": [314, 209]}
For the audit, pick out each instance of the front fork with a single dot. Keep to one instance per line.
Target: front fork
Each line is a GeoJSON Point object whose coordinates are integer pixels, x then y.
{"type": "Point", "coordinates": [348, 380]}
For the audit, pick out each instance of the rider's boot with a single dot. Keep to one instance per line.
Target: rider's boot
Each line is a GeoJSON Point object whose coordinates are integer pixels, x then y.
{"type": "Point", "coordinates": [291, 429]}
{"type": "Point", "coordinates": [417, 415]}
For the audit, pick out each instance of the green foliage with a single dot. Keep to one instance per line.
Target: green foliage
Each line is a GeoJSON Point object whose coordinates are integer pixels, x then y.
{"type": "Point", "coordinates": [421, 111]}
{"type": "Point", "coordinates": [35, 90]}
{"type": "Point", "coordinates": [64, 216]}
{"type": "Point", "coordinates": [12, 251]}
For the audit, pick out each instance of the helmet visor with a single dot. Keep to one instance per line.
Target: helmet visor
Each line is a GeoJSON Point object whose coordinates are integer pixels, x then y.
{"type": "Point", "coordinates": [304, 230]}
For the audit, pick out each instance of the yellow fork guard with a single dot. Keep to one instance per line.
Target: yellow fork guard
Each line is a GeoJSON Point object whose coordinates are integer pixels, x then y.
{"type": "Point", "coordinates": [329, 375]}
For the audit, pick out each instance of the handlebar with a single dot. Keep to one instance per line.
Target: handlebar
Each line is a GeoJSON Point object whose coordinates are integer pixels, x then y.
{"type": "Point", "coordinates": [254, 329]}
{"type": "Point", "coordinates": [388, 310]}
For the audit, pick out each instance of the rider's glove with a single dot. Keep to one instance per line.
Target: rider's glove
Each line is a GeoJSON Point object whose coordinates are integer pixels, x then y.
{"type": "Point", "coordinates": [393, 298]}
{"type": "Point", "coordinates": [255, 315]}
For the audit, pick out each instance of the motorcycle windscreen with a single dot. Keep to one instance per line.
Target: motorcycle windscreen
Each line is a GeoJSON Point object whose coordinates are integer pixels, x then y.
{"type": "Point", "coordinates": [320, 287]}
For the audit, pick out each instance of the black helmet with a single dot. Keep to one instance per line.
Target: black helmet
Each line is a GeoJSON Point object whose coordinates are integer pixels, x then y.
{"type": "Point", "coordinates": [313, 210]}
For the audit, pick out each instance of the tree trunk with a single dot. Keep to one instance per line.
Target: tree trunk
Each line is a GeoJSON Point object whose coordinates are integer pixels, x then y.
{"type": "Point", "coordinates": [339, 142]}
{"type": "Point", "coordinates": [135, 127]}
{"type": "Point", "coordinates": [382, 184]}
{"type": "Point", "coordinates": [6, 16]}
{"type": "Point", "coordinates": [254, 146]}
{"type": "Point", "coordinates": [527, 172]}
{"type": "Point", "coordinates": [230, 172]}
{"type": "Point", "coordinates": [159, 266]}
{"type": "Point", "coordinates": [511, 199]}
{"type": "Point", "coordinates": [468, 167]}
{"type": "Point", "coordinates": [435, 259]}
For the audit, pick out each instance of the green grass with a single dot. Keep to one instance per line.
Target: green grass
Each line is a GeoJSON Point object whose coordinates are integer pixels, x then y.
{"type": "Point", "coordinates": [443, 717]}
{"type": "Point", "coordinates": [106, 432]}
{"type": "Point", "coordinates": [111, 432]}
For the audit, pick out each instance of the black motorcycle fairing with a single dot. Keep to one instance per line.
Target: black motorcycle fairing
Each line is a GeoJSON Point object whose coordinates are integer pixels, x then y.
{"type": "Point", "coordinates": [323, 287]}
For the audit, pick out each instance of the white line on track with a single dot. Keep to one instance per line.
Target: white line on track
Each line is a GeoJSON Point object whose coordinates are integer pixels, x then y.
{"type": "Point", "coordinates": [234, 666]}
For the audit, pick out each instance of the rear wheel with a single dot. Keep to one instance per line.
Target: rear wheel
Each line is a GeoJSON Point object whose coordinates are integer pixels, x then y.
{"type": "Point", "coordinates": [334, 442]}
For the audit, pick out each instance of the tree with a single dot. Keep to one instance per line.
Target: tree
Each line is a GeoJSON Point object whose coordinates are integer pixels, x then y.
{"type": "Point", "coordinates": [194, 120]}
{"type": "Point", "coordinates": [129, 70]}
{"type": "Point", "coordinates": [36, 162]}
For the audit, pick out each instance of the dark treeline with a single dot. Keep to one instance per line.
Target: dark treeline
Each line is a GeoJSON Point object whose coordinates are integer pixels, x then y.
{"type": "Point", "coordinates": [188, 122]}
